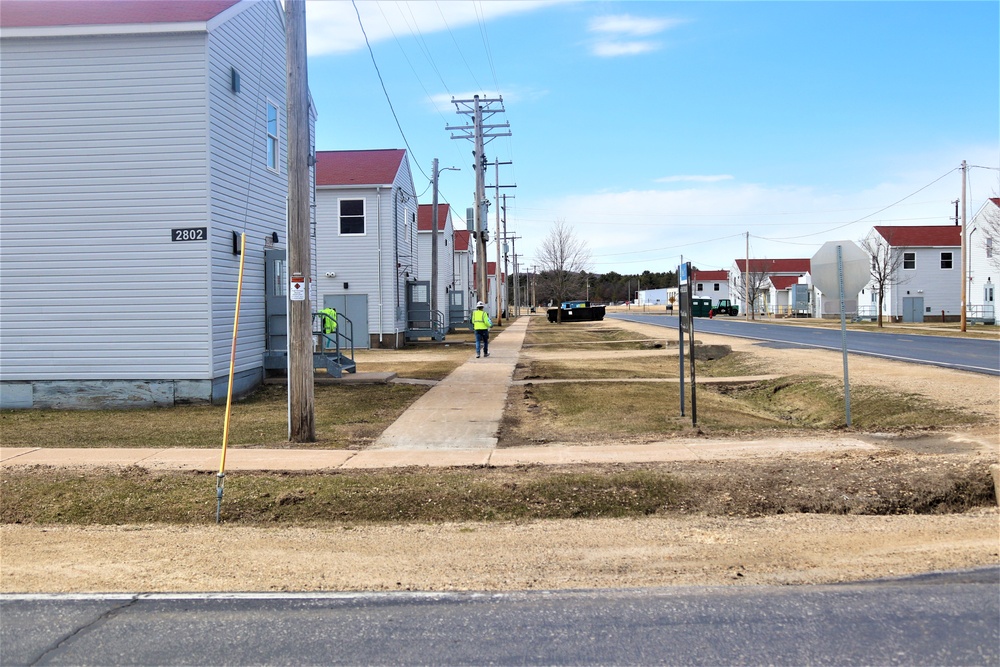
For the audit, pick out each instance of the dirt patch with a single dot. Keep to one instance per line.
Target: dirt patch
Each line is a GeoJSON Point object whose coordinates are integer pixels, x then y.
{"type": "Point", "coordinates": [573, 553]}
{"type": "Point", "coordinates": [720, 541]}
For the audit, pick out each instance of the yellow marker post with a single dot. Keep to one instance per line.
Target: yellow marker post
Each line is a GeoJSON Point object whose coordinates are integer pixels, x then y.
{"type": "Point", "coordinates": [221, 476]}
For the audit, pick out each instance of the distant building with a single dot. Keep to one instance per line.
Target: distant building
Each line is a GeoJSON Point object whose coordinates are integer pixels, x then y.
{"type": "Point", "coordinates": [927, 283]}
{"type": "Point", "coordinates": [366, 241]}
{"type": "Point", "coordinates": [983, 244]}
{"type": "Point", "coordinates": [787, 286]}
{"type": "Point", "coordinates": [445, 255]}
{"type": "Point", "coordinates": [463, 296]}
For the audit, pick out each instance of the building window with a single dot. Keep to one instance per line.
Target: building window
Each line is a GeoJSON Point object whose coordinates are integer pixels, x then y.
{"type": "Point", "coordinates": [715, 288]}
{"type": "Point", "coordinates": [352, 216]}
{"type": "Point", "coordinates": [700, 287]}
{"type": "Point", "coordinates": [946, 260]}
{"type": "Point", "coordinates": [272, 136]}
{"type": "Point", "coordinates": [989, 247]}
{"type": "Point", "coordinates": [909, 260]}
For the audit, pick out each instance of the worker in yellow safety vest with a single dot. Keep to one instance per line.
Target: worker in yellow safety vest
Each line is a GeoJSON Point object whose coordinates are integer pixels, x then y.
{"type": "Point", "coordinates": [481, 323]}
{"type": "Point", "coordinates": [329, 316]}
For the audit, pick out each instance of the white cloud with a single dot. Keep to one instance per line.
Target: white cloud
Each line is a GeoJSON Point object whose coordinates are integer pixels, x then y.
{"type": "Point", "coordinates": [634, 230]}
{"type": "Point", "coordinates": [615, 49]}
{"type": "Point", "coordinates": [617, 34]}
{"type": "Point", "coordinates": [631, 26]}
{"type": "Point", "coordinates": [715, 178]}
{"type": "Point", "coordinates": [332, 27]}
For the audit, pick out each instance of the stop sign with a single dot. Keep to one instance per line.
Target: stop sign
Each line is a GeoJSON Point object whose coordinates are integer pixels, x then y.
{"type": "Point", "coordinates": [856, 262]}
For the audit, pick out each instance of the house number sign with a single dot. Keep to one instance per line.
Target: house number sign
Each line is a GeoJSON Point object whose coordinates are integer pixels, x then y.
{"type": "Point", "coordinates": [189, 234]}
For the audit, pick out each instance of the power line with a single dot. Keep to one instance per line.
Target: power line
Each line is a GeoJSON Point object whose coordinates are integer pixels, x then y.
{"type": "Point", "coordinates": [846, 224]}
{"type": "Point", "coordinates": [481, 16]}
{"type": "Point", "coordinates": [460, 52]}
{"type": "Point", "coordinates": [386, 92]}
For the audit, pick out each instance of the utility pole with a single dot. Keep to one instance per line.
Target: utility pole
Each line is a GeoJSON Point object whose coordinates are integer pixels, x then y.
{"type": "Point", "coordinates": [965, 262]}
{"type": "Point", "coordinates": [746, 288]}
{"type": "Point", "coordinates": [435, 174]}
{"type": "Point", "coordinates": [434, 238]}
{"type": "Point", "coordinates": [301, 396]}
{"type": "Point", "coordinates": [480, 135]}
{"type": "Point", "coordinates": [517, 285]}
{"type": "Point", "coordinates": [506, 238]}
{"type": "Point", "coordinates": [496, 185]}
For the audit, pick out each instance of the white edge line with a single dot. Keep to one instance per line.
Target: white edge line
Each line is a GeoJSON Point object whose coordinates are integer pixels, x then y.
{"type": "Point", "coordinates": [312, 595]}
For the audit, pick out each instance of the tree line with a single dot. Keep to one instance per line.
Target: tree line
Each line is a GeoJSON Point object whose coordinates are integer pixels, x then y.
{"type": "Point", "coordinates": [564, 275]}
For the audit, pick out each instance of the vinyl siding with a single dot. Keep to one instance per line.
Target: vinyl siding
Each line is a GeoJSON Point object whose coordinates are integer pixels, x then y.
{"type": "Point", "coordinates": [939, 288]}
{"type": "Point", "coordinates": [446, 267]}
{"type": "Point", "coordinates": [981, 268]}
{"type": "Point", "coordinates": [356, 258]}
{"type": "Point", "coordinates": [102, 153]}
{"type": "Point", "coordinates": [245, 194]}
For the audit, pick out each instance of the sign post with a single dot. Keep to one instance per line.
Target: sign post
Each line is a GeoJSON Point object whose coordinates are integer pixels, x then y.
{"type": "Point", "coordinates": [686, 293]}
{"type": "Point", "coordinates": [842, 268]}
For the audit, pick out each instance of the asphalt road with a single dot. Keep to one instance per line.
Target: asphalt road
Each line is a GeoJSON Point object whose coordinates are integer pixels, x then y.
{"type": "Point", "coordinates": [944, 619]}
{"type": "Point", "coordinates": [976, 355]}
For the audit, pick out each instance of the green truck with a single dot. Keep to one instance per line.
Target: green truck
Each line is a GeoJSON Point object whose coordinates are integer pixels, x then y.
{"type": "Point", "coordinates": [726, 307]}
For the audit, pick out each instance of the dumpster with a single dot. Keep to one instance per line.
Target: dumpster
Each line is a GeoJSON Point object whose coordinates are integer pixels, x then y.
{"type": "Point", "coordinates": [700, 306]}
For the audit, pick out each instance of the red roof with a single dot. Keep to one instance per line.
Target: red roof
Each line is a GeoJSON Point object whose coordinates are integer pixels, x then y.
{"type": "Point", "coordinates": [707, 276]}
{"type": "Point", "coordinates": [799, 266]}
{"type": "Point", "coordinates": [463, 238]}
{"type": "Point", "coordinates": [783, 282]}
{"type": "Point", "coordinates": [424, 213]}
{"type": "Point", "coordinates": [378, 167]}
{"type": "Point", "coordinates": [46, 13]}
{"type": "Point", "coordinates": [921, 237]}
{"type": "Point", "coordinates": [995, 200]}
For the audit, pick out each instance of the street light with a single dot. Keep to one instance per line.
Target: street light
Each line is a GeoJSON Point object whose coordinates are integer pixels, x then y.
{"type": "Point", "coordinates": [434, 233]}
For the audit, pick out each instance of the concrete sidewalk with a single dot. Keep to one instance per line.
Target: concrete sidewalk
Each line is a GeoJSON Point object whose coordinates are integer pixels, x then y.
{"type": "Point", "coordinates": [302, 460]}
{"type": "Point", "coordinates": [462, 411]}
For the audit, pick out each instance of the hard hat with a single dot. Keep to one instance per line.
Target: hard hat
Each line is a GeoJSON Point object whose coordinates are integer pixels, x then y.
{"type": "Point", "coordinates": [480, 304]}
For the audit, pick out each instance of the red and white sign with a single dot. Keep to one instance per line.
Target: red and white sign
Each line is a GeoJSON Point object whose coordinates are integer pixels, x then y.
{"type": "Point", "coordinates": [297, 288]}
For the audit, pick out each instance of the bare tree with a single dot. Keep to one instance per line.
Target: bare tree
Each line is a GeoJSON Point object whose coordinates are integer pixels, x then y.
{"type": "Point", "coordinates": [564, 261]}
{"type": "Point", "coordinates": [756, 279]}
{"type": "Point", "coordinates": [885, 265]}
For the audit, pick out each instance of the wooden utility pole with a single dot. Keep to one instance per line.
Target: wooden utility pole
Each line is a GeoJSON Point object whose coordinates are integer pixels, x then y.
{"type": "Point", "coordinates": [434, 239]}
{"type": "Point", "coordinates": [965, 265]}
{"type": "Point", "coordinates": [479, 134]}
{"type": "Point", "coordinates": [301, 397]}
{"type": "Point", "coordinates": [501, 285]}
{"type": "Point", "coordinates": [746, 288]}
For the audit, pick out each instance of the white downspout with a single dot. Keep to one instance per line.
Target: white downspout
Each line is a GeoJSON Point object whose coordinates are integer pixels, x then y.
{"type": "Point", "coordinates": [378, 226]}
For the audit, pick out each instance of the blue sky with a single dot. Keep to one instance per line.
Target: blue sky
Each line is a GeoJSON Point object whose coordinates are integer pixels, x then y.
{"type": "Point", "coordinates": [660, 129]}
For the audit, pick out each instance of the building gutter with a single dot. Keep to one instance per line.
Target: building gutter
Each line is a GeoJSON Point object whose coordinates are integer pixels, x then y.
{"type": "Point", "coordinates": [378, 227]}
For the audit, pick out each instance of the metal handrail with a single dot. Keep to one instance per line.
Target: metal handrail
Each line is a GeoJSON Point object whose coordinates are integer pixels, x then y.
{"type": "Point", "coordinates": [435, 322]}
{"type": "Point", "coordinates": [336, 335]}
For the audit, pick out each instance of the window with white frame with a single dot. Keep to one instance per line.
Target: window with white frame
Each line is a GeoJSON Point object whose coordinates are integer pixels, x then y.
{"type": "Point", "coordinates": [715, 288]}
{"type": "Point", "coordinates": [272, 136]}
{"type": "Point", "coordinates": [909, 260]}
{"type": "Point", "coordinates": [352, 216]}
{"type": "Point", "coordinates": [989, 247]}
{"type": "Point", "coordinates": [946, 260]}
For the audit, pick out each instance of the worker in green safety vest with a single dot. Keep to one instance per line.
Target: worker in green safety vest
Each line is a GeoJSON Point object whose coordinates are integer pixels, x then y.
{"type": "Point", "coordinates": [481, 323]}
{"type": "Point", "coordinates": [329, 316]}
